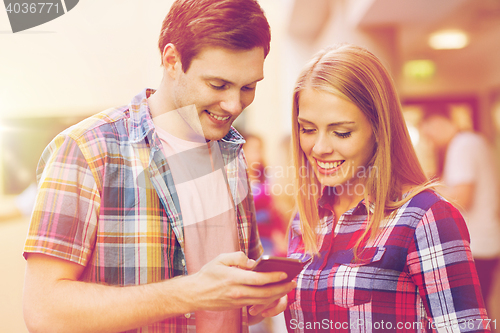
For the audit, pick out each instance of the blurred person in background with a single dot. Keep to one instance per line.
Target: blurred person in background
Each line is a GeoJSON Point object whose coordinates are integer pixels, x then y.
{"type": "Point", "coordinates": [143, 219]}
{"type": "Point", "coordinates": [270, 223]}
{"type": "Point", "coordinates": [22, 205]}
{"type": "Point", "coordinates": [285, 199]}
{"type": "Point", "coordinates": [388, 252]}
{"type": "Point", "coordinates": [269, 220]}
{"type": "Point", "coordinates": [470, 179]}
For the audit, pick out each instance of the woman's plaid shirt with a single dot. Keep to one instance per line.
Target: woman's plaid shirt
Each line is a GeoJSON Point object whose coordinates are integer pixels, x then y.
{"type": "Point", "coordinates": [417, 275]}
{"type": "Point", "coordinates": [107, 201]}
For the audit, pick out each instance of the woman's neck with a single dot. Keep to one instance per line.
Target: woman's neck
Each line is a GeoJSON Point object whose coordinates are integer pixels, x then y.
{"type": "Point", "coordinates": [347, 197]}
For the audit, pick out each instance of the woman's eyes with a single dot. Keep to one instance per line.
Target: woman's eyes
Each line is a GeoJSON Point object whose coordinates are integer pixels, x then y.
{"type": "Point", "coordinates": [306, 130]}
{"type": "Point", "coordinates": [341, 135]}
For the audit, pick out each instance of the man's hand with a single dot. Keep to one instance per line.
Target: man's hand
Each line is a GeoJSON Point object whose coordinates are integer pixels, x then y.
{"type": "Point", "coordinates": [259, 312]}
{"type": "Point", "coordinates": [227, 283]}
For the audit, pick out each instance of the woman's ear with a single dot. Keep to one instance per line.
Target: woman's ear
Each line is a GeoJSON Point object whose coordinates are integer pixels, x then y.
{"type": "Point", "coordinates": [171, 60]}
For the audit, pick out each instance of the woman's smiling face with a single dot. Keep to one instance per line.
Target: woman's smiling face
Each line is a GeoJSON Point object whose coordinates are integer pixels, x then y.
{"type": "Point", "coordinates": [335, 136]}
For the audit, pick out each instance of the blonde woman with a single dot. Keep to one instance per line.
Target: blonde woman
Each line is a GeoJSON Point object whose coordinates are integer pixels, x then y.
{"type": "Point", "coordinates": [388, 253]}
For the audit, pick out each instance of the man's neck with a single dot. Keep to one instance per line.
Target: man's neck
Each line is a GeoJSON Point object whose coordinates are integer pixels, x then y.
{"type": "Point", "coordinates": [451, 132]}
{"type": "Point", "coordinates": [183, 123]}
{"type": "Point", "coordinates": [159, 103]}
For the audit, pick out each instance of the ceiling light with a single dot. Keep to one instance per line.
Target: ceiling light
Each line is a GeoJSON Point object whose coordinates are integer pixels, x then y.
{"type": "Point", "coordinates": [448, 39]}
{"type": "Point", "coordinates": [419, 69]}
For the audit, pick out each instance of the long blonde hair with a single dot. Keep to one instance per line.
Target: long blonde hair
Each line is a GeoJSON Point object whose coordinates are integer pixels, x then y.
{"type": "Point", "coordinates": [355, 74]}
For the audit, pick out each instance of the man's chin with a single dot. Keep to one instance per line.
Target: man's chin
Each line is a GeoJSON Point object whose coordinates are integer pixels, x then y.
{"type": "Point", "coordinates": [214, 138]}
{"type": "Point", "coordinates": [215, 135]}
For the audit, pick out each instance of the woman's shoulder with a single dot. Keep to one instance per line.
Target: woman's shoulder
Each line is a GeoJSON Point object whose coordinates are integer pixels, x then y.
{"type": "Point", "coordinates": [434, 213]}
{"type": "Point", "coordinates": [425, 200]}
{"type": "Point", "coordinates": [429, 201]}
{"type": "Point", "coordinates": [422, 198]}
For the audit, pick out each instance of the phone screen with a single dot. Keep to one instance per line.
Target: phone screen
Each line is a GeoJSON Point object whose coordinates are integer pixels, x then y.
{"type": "Point", "coordinates": [291, 267]}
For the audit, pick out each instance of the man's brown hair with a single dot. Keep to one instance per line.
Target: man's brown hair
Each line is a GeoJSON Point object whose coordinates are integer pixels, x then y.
{"type": "Point", "coordinates": [194, 24]}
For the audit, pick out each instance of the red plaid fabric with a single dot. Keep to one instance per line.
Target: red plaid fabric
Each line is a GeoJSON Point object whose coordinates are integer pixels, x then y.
{"type": "Point", "coordinates": [417, 275]}
{"type": "Point", "coordinates": [107, 201]}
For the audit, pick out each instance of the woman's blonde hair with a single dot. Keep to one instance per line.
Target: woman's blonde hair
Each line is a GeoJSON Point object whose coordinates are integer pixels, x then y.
{"type": "Point", "coordinates": [355, 74]}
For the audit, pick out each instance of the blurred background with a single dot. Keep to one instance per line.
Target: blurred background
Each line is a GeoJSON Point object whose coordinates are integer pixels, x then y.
{"type": "Point", "coordinates": [443, 55]}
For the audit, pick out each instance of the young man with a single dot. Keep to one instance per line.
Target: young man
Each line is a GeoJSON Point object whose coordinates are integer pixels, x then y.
{"type": "Point", "coordinates": [143, 220]}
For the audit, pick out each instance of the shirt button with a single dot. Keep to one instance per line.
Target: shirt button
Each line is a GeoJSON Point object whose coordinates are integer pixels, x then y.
{"type": "Point", "coordinates": [183, 262]}
{"type": "Point", "coordinates": [187, 315]}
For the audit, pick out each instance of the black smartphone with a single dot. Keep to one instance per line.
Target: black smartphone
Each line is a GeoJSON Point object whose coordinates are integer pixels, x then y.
{"type": "Point", "coordinates": [290, 266]}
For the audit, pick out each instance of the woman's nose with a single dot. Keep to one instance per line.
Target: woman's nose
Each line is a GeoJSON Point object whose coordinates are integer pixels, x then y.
{"type": "Point", "coordinates": [322, 145]}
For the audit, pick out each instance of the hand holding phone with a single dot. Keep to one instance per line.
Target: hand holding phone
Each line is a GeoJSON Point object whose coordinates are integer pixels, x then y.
{"type": "Point", "coordinates": [290, 266]}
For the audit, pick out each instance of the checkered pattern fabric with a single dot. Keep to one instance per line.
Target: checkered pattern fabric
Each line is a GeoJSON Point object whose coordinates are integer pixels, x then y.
{"type": "Point", "coordinates": [417, 275]}
{"type": "Point", "coordinates": [107, 201]}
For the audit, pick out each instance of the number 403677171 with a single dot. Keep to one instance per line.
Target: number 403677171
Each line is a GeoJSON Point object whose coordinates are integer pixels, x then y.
{"type": "Point", "coordinates": [25, 8]}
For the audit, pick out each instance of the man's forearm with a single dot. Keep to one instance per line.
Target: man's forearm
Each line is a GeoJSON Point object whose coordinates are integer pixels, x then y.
{"type": "Point", "coordinates": [55, 301]}
{"type": "Point", "coordinates": [74, 306]}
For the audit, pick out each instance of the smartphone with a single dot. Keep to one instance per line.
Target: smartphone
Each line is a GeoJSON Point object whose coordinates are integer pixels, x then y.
{"type": "Point", "coordinates": [290, 266]}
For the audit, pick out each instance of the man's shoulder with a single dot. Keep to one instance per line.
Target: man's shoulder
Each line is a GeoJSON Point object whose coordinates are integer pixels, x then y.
{"type": "Point", "coordinates": [97, 123]}
{"type": "Point", "coordinates": [467, 149]}
{"type": "Point", "coordinates": [469, 138]}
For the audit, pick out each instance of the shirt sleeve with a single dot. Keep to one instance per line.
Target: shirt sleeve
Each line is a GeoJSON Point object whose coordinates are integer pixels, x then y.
{"type": "Point", "coordinates": [64, 220]}
{"type": "Point", "coordinates": [441, 265]}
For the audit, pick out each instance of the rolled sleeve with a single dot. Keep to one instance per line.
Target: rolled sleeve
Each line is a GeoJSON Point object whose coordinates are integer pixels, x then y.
{"type": "Point", "coordinates": [63, 223]}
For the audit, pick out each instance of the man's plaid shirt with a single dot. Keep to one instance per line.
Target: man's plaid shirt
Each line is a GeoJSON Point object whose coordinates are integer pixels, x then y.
{"type": "Point", "coordinates": [417, 275]}
{"type": "Point", "coordinates": [106, 200]}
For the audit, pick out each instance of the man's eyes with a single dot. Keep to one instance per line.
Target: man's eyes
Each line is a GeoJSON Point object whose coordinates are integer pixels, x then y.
{"type": "Point", "coordinates": [248, 88]}
{"type": "Point", "coordinates": [226, 86]}
{"type": "Point", "coordinates": [218, 87]}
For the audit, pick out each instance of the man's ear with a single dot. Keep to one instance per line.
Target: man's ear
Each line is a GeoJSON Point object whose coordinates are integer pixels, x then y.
{"type": "Point", "coordinates": [171, 60]}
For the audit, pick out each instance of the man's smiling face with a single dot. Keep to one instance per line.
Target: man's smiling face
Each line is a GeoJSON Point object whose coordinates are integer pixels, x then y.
{"type": "Point", "coordinates": [220, 83]}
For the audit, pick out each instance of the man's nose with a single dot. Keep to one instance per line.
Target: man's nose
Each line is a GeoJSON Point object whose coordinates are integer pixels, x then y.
{"type": "Point", "coordinates": [232, 102]}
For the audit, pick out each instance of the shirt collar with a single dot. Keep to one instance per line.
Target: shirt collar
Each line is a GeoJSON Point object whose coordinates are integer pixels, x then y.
{"type": "Point", "coordinates": [233, 137]}
{"type": "Point", "coordinates": [328, 196]}
{"type": "Point", "coordinates": [140, 122]}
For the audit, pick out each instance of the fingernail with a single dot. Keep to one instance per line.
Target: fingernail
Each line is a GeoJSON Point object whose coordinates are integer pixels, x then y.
{"type": "Point", "coordinates": [252, 311]}
{"type": "Point", "coordinates": [283, 276]}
